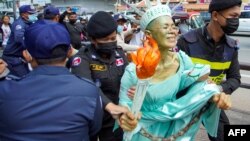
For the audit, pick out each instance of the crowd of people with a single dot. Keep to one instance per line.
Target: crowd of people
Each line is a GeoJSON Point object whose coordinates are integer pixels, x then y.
{"type": "Point", "coordinates": [54, 87]}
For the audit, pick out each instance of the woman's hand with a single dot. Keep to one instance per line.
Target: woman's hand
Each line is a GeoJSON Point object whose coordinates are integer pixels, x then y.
{"type": "Point", "coordinates": [128, 121]}
{"type": "Point", "coordinates": [222, 100]}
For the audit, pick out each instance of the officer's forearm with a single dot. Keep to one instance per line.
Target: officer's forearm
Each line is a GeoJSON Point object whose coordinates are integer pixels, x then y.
{"type": "Point", "coordinates": [128, 47]}
{"type": "Point", "coordinates": [233, 76]}
{"type": "Point", "coordinates": [230, 85]}
{"type": "Point", "coordinates": [105, 99]}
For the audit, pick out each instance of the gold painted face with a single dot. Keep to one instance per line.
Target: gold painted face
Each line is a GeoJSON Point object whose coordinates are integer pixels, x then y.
{"type": "Point", "coordinates": [164, 31]}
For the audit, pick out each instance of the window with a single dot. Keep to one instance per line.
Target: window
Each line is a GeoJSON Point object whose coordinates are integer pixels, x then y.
{"type": "Point", "coordinates": [245, 14]}
{"type": "Point", "coordinates": [197, 21]}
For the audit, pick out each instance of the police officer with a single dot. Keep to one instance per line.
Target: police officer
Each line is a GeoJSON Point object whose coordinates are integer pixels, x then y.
{"type": "Point", "coordinates": [12, 54]}
{"type": "Point", "coordinates": [123, 35]}
{"type": "Point", "coordinates": [211, 45]}
{"type": "Point", "coordinates": [51, 13]}
{"type": "Point", "coordinates": [49, 104]}
{"type": "Point", "coordinates": [103, 63]}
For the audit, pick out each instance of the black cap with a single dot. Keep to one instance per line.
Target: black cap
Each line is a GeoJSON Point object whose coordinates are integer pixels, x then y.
{"type": "Point", "coordinates": [219, 5]}
{"type": "Point", "coordinates": [101, 24]}
{"type": "Point", "coordinates": [53, 33]}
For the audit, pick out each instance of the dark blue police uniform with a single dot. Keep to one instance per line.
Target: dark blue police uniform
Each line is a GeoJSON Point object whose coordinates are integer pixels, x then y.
{"type": "Point", "coordinates": [49, 103]}
{"type": "Point", "coordinates": [12, 54]}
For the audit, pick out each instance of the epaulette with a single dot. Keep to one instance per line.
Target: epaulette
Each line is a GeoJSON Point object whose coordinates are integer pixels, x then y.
{"type": "Point", "coordinates": [84, 44]}
{"type": "Point", "coordinates": [190, 36]}
{"type": "Point", "coordinates": [82, 49]}
{"type": "Point", "coordinates": [232, 42]}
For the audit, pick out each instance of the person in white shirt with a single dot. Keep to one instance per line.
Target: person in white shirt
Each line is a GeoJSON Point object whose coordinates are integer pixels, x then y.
{"type": "Point", "coordinates": [5, 30]}
{"type": "Point", "coordinates": [121, 35]}
{"type": "Point", "coordinates": [138, 35]}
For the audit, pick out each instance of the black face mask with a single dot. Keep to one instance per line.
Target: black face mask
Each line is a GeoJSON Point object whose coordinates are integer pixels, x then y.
{"type": "Point", "coordinates": [106, 48]}
{"type": "Point", "coordinates": [232, 25]}
{"type": "Point", "coordinates": [72, 21]}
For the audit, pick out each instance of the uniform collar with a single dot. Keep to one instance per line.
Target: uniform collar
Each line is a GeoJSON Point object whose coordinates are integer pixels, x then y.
{"type": "Point", "coordinates": [206, 34]}
{"type": "Point", "coordinates": [230, 42]}
{"type": "Point", "coordinates": [50, 70]}
{"type": "Point", "coordinates": [209, 37]}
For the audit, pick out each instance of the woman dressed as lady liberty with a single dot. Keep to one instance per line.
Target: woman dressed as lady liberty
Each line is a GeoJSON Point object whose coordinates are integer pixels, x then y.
{"type": "Point", "coordinates": [164, 116]}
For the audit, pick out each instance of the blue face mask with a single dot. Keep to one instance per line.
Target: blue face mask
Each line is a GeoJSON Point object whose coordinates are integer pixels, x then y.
{"type": "Point", "coordinates": [119, 28]}
{"type": "Point", "coordinates": [33, 18]}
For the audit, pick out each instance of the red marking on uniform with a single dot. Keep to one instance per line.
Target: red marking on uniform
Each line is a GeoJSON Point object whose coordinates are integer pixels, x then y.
{"type": "Point", "coordinates": [119, 62]}
{"type": "Point", "coordinates": [76, 61]}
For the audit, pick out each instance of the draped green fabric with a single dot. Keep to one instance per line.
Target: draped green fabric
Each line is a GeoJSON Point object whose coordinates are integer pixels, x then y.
{"type": "Point", "coordinates": [163, 114]}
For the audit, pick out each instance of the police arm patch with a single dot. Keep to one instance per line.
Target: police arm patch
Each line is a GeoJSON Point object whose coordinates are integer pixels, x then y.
{"type": "Point", "coordinates": [18, 27]}
{"type": "Point", "coordinates": [76, 61]}
{"type": "Point", "coordinates": [119, 62]}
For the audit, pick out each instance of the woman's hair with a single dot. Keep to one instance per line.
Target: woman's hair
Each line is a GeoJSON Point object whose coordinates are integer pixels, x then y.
{"type": "Point", "coordinates": [4, 17]}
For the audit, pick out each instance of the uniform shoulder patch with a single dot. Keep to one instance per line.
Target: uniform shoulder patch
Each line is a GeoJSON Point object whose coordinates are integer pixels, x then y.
{"type": "Point", "coordinates": [119, 62]}
{"type": "Point", "coordinates": [232, 42]}
{"type": "Point", "coordinates": [18, 27]}
{"type": "Point", "coordinates": [76, 61]}
{"type": "Point", "coordinates": [190, 36]}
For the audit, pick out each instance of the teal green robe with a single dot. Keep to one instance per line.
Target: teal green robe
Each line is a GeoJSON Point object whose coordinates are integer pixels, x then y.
{"type": "Point", "coordinates": [163, 114]}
